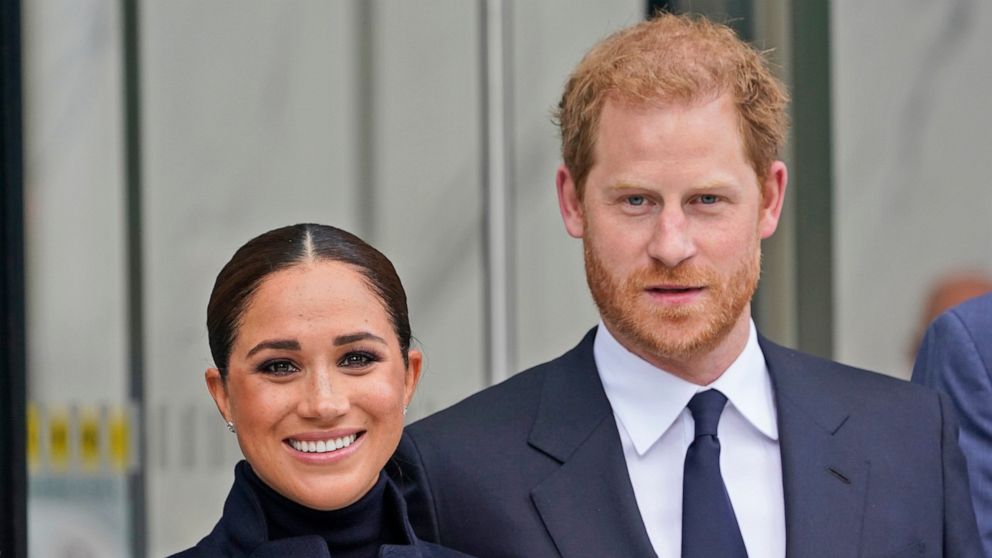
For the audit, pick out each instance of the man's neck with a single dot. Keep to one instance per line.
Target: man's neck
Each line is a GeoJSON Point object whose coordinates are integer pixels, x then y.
{"type": "Point", "coordinates": [706, 367]}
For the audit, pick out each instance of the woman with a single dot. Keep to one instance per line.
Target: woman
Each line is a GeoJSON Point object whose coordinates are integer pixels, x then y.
{"type": "Point", "coordinates": [310, 336]}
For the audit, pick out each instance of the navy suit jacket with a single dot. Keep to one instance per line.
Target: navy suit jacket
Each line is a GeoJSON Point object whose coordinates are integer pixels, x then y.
{"type": "Point", "coordinates": [533, 467]}
{"type": "Point", "coordinates": [956, 358]}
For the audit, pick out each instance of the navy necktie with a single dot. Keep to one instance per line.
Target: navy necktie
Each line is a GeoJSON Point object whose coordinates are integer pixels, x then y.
{"type": "Point", "coordinates": [709, 526]}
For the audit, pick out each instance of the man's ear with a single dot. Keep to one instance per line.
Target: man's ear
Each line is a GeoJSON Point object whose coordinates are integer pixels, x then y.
{"type": "Point", "coordinates": [772, 197]}
{"type": "Point", "coordinates": [218, 390]}
{"type": "Point", "coordinates": [569, 203]}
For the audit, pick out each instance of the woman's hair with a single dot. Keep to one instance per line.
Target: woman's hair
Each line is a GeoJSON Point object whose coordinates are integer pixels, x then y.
{"type": "Point", "coordinates": [286, 247]}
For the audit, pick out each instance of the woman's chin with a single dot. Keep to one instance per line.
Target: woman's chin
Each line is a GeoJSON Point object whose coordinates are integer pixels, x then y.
{"type": "Point", "coordinates": [333, 492]}
{"type": "Point", "coordinates": [324, 482]}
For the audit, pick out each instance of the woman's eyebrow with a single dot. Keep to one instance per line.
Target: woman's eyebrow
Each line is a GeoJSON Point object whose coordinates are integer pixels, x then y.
{"type": "Point", "coordinates": [360, 336]}
{"type": "Point", "coordinates": [280, 344]}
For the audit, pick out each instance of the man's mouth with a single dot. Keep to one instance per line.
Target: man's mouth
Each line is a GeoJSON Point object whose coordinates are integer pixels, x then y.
{"type": "Point", "coordinates": [323, 446]}
{"type": "Point", "coordinates": [674, 290]}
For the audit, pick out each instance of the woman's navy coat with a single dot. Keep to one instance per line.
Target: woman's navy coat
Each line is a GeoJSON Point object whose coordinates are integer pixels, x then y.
{"type": "Point", "coordinates": [242, 532]}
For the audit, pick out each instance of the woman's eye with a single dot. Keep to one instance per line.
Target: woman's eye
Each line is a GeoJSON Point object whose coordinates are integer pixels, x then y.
{"type": "Point", "coordinates": [357, 360]}
{"type": "Point", "coordinates": [636, 201]}
{"type": "Point", "coordinates": [279, 367]}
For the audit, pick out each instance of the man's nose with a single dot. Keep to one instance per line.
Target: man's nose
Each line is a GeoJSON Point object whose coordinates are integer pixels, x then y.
{"type": "Point", "coordinates": [323, 399]}
{"type": "Point", "coordinates": [671, 241]}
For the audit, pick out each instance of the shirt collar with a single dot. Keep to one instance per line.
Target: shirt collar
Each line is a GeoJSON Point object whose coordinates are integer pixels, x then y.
{"type": "Point", "coordinates": [647, 400]}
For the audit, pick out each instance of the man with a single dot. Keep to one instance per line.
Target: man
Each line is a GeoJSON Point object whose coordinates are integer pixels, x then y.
{"type": "Point", "coordinates": [956, 358]}
{"type": "Point", "coordinates": [673, 428]}
{"type": "Point", "coordinates": [946, 292]}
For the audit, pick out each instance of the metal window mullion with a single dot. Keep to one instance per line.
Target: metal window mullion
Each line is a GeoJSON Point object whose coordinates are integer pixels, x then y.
{"type": "Point", "coordinates": [498, 199]}
{"type": "Point", "coordinates": [135, 269]}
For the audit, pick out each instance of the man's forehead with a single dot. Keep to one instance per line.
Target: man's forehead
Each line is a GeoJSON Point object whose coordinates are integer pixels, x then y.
{"type": "Point", "coordinates": [658, 100]}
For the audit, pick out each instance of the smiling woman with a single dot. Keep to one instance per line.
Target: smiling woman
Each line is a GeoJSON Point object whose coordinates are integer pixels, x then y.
{"type": "Point", "coordinates": [310, 338]}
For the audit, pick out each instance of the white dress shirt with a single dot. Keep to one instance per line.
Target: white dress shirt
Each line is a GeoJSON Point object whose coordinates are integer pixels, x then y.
{"type": "Point", "coordinates": [656, 429]}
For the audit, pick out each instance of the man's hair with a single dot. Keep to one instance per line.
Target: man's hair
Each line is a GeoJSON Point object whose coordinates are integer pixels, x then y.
{"type": "Point", "coordinates": [672, 59]}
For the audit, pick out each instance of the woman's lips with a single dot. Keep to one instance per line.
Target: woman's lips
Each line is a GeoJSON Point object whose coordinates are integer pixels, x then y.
{"type": "Point", "coordinates": [324, 448]}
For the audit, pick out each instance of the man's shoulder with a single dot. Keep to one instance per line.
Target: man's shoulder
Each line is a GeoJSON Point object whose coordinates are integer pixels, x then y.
{"type": "Point", "coordinates": [510, 404]}
{"type": "Point", "coordinates": [489, 406]}
{"type": "Point", "coordinates": [975, 314]}
{"type": "Point", "coordinates": [805, 374]}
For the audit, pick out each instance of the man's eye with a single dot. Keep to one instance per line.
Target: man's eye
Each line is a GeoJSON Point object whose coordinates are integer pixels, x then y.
{"type": "Point", "coordinates": [636, 201]}
{"type": "Point", "coordinates": [708, 199]}
{"type": "Point", "coordinates": [279, 367]}
{"type": "Point", "coordinates": [357, 360]}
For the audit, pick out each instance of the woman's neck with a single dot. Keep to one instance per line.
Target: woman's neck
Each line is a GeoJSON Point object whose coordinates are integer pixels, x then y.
{"type": "Point", "coordinates": [357, 530]}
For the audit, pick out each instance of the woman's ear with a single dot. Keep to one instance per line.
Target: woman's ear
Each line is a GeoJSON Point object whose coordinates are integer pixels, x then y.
{"type": "Point", "coordinates": [413, 370]}
{"type": "Point", "coordinates": [218, 390]}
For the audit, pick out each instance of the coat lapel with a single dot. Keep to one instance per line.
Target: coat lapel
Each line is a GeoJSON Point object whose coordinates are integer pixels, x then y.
{"type": "Point", "coordinates": [588, 505]}
{"type": "Point", "coordinates": [825, 474]}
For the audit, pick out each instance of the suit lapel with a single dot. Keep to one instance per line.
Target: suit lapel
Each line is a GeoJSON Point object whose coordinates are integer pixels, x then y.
{"type": "Point", "coordinates": [588, 505]}
{"type": "Point", "coordinates": [825, 474]}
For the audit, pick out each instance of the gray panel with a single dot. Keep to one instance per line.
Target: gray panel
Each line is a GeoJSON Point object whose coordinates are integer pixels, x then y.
{"type": "Point", "coordinates": [75, 263]}
{"type": "Point", "coordinates": [247, 126]}
{"type": "Point", "coordinates": [553, 306]}
{"type": "Point", "coordinates": [912, 202]}
{"type": "Point", "coordinates": [428, 194]}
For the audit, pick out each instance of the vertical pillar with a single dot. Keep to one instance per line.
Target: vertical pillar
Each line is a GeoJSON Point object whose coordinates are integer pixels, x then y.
{"type": "Point", "coordinates": [13, 387]}
{"type": "Point", "coordinates": [498, 201]}
{"type": "Point", "coordinates": [813, 175]}
{"type": "Point", "coordinates": [134, 266]}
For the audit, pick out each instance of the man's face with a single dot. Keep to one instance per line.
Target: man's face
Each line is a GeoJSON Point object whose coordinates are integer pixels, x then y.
{"type": "Point", "coordinates": [671, 220]}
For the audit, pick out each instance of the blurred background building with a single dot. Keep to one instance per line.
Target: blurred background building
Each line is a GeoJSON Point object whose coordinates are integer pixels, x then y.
{"type": "Point", "coordinates": [143, 141]}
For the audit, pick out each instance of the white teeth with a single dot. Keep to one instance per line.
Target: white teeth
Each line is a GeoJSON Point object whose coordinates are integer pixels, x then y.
{"type": "Point", "coordinates": [323, 446]}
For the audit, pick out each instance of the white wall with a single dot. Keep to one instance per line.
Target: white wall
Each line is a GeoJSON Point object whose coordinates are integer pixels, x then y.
{"type": "Point", "coordinates": [75, 266]}
{"type": "Point", "coordinates": [912, 168]}
{"type": "Point", "coordinates": [553, 307]}
{"type": "Point", "coordinates": [250, 120]}
{"type": "Point", "coordinates": [245, 128]}
{"type": "Point", "coordinates": [250, 123]}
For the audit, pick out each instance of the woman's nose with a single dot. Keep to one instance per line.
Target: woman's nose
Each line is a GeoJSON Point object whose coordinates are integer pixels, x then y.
{"type": "Point", "coordinates": [322, 398]}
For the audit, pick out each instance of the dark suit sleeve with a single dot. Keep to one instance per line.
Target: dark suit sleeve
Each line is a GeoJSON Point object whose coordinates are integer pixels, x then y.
{"type": "Point", "coordinates": [960, 532]}
{"type": "Point", "coordinates": [950, 362]}
{"type": "Point", "coordinates": [408, 472]}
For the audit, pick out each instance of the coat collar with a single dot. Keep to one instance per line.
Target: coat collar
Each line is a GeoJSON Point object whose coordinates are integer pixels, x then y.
{"type": "Point", "coordinates": [824, 470]}
{"type": "Point", "coordinates": [242, 530]}
{"type": "Point", "coordinates": [575, 426]}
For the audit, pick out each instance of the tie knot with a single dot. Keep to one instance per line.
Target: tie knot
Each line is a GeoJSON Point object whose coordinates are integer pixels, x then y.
{"type": "Point", "coordinates": [706, 407]}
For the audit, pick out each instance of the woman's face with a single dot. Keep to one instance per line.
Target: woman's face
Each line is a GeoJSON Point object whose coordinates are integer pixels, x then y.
{"type": "Point", "coordinates": [316, 384]}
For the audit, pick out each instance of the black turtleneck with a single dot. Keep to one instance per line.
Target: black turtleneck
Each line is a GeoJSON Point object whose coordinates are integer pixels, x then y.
{"type": "Point", "coordinates": [356, 531]}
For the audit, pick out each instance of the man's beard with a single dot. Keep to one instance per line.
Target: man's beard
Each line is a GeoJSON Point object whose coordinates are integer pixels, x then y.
{"type": "Point", "coordinates": [669, 333]}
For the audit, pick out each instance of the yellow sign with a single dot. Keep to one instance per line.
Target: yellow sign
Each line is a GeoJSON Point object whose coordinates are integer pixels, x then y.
{"type": "Point", "coordinates": [89, 439]}
{"type": "Point", "coordinates": [58, 440]}
{"type": "Point", "coordinates": [120, 440]}
{"type": "Point", "coordinates": [33, 438]}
